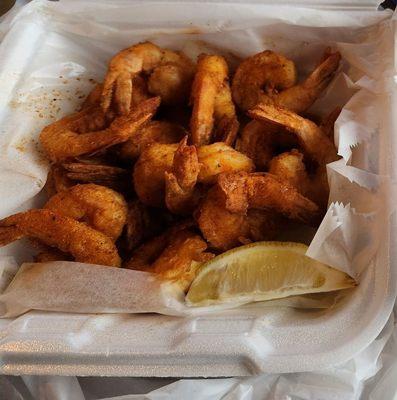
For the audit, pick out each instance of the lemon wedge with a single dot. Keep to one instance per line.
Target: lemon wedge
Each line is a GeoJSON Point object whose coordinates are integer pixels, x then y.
{"type": "Point", "coordinates": [263, 271]}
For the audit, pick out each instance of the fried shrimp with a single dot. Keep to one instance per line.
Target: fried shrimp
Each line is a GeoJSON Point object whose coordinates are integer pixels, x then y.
{"type": "Point", "coordinates": [226, 123]}
{"type": "Point", "coordinates": [84, 243]}
{"type": "Point", "coordinates": [312, 139]}
{"type": "Point", "coordinates": [139, 93]}
{"type": "Point", "coordinates": [290, 167]}
{"type": "Point", "coordinates": [260, 141]}
{"type": "Point", "coordinates": [170, 74]}
{"type": "Point", "coordinates": [157, 159]}
{"type": "Point", "coordinates": [60, 140]}
{"type": "Point", "coordinates": [270, 78]}
{"type": "Point", "coordinates": [181, 194]}
{"type": "Point", "coordinates": [176, 259]}
{"type": "Point", "coordinates": [212, 102]}
{"type": "Point", "coordinates": [217, 158]}
{"type": "Point", "coordinates": [300, 97]}
{"type": "Point", "coordinates": [243, 191]}
{"type": "Point", "coordinates": [242, 207]}
{"type": "Point", "coordinates": [92, 118]}
{"type": "Point", "coordinates": [149, 172]}
{"type": "Point", "coordinates": [145, 255]}
{"type": "Point", "coordinates": [260, 75]}
{"type": "Point", "coordinates": [224, 229]}
{"type": "Point", "coordinates": [315, 143]}
{"type": "Point", "coordinates": [257, 142]}
{"type": "Point", "coordinates": [100, 207]}
{"type": "Point", "coordinates": [152, 132]}
{"type": "Point", "coordinates": [172, 78]}
{"type": "Point", "coordinates": [180, 260]}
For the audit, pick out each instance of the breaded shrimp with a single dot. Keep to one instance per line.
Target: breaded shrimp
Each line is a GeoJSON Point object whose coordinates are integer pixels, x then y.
{"type": "Point", "coordinates": [85, 244]}
{"type": "Point", "coordinates": [143, 224]}
{"type": "Point", "coordinates": [217, 158]}
{"type": "Point", "coordinates": [257, 141]}
{"type": "Point", "coordinates": [170, 80]}
{"type": "Point", "coordinates": [290, 167]}
{"type": "Point", "coordinates": [181, 195]}
{"type": "Point", "coordinates": [226, 123]}
{"type": "Point", "coordinates": [224, 229]}
{"type": "Point", "coordinates": [144, 256]}
{"type": "Point", "coordinates": [91, 118]}
{"type": "Point", "coordinates": [152, 132]}
{"type": "Point", "coordinates": [243, 191]}
{"type": "Point", "coordinates": [270, 78]}
{"type": "Point", "coordinates": [180, 260]}
{"type": "Point", "coordinates": [300, 97]}
{"type": "Point", "coordinates": [212, 102]}
{"type": "Point", "coordinates": [243, 207]}
{"type": "Point", "coordinates": [261, 140]}
{"type": "Point", "coordinates": [100, 207]}
{"type": "Point", "coordinates": [156, 159]}
{"type": "Point", "coordinates": [259, 75]}
{"type": "Point", "coordinates": [316, 143]}
{"type": "Point", "coordinates": [139, 93]}
{"type": "Point", "coordinates": [177, 260]}
{"type": "Point", "coordinates": [312, 139]}
{"type": "Point", "coordinates": [61, 141]}
{"type": "Point", "coordinates": [149, 172]}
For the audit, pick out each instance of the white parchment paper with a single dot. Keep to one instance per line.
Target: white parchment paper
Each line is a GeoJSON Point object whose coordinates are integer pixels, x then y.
{"type": "Point", "coordinates": [50, 62]}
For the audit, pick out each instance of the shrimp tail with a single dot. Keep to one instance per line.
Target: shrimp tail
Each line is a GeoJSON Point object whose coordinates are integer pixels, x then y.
{"type": "Point", "coordinates": [85, 172]}
{"type": "Point", "coordinates": [266, 190]}
{"type": "Point", "coordinates": [275, 114]}
{"type": "Point", "coordinates": [123, 127]}
{"type": "Point", "coordinates": [128, 124]}
{"type": "Point", "coordinates": [300, 97]}
{"type": "Point", "coordinates": [316, 144]}
{"type": "Point", "coordinates": [233, 187]}
{"type": "Point", "coordinates": [323, 74]}
{"type": "Point", "coordinates": [180, 194]}
{"type": "Point", "coordinates": [186, 165]}
{"type": "Point", "coordinates": [290, 167]}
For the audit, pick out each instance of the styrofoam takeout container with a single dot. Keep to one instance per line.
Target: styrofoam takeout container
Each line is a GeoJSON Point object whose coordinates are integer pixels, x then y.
{"type": "Point", "coordinates": [73, 39]}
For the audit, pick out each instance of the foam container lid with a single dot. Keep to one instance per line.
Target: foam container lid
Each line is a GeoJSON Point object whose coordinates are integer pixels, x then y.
{"type": "Point", "coordinates": [48, 61]}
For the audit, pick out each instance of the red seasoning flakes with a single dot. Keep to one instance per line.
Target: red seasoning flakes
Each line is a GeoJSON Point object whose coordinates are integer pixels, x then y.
{"type": "Point", "coordinates": [47, 103]}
